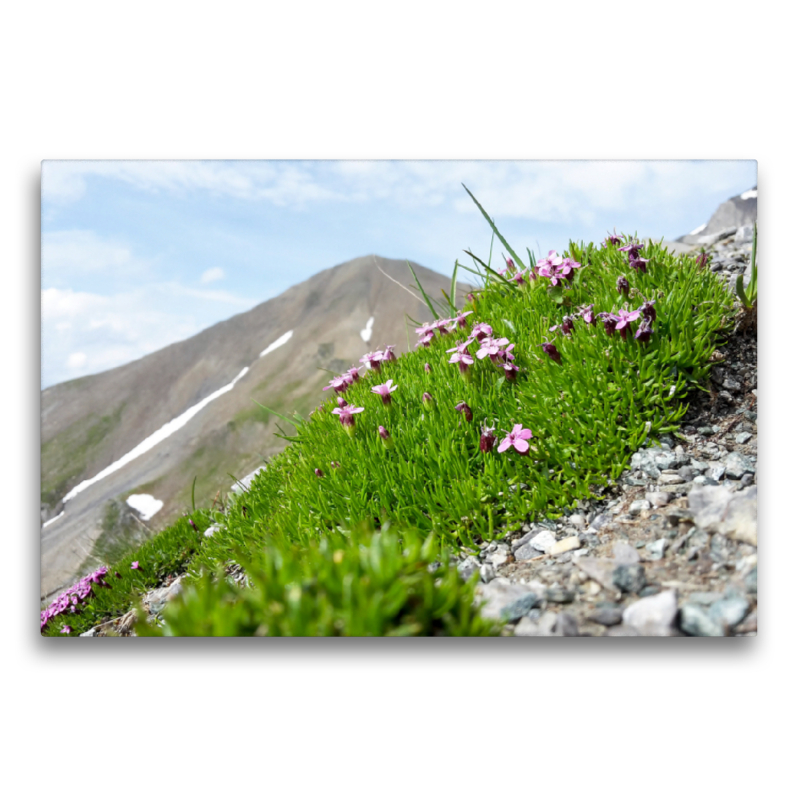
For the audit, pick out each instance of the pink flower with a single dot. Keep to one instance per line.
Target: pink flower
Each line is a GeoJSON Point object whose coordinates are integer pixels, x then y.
{"type": "Point", "coordinates": [353, 373]}
{"type": "Point", "coordinates": [623, 287]}
{"type": "Point", "coordinates": [588, 314]}
{"type": "Point", "coordinates": [426, 339]}
{"type": "Point", "coordinates": [427, 368]}
{"type": "Point", "coordinates": [385, 391]}
{"type": "Point", "coordinates": [460, 319]}
{"type": "Point", "coordinates": [318, 472]}
{"type": "Point", "coordinates": [339, 384]}
{"type": "Point", "coordinates": [382, 432]}
{"type": "Point", "coordinates": [427, 400]}
{"type": "Point", "coordinates": [345, 414]}
{"type": "Point", "coordinates": [511, 371]}
{"type": "Point", "coordinates": [388, 353]}
{"type": "Point", "coordinates": [517, 438]}
{"type": "Point", "coordinates": [551, 350]}
{"type": "Point", "coordinates": [66, 629]}
{"type": "Point", "coordinates": [481, 330]}
{"type": "Point", "coordinates": [372, 360]}
{"type": "Point", "coordinates": [490, 347]}
{"type": "Point", "coordinates": [341, 402]}
{"type": "Point", "coordinates": [487, 439]}
{"type": "Point", "coordinates": [135, 565]}
{"type": "Point", "coordinates": [624, 319]}
{"type": "Point", "coordinates": [464, 361]}
{"type": "Point", "coordinates": [441, 326]}
{"type": "Point", "coordinates": [519, 277]}
{"type": "Point", "coordinates": [424, 329]}
{"type": "Point", "coordinates": [465, 410]}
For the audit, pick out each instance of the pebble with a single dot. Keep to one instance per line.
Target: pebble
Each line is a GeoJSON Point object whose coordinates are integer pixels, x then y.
{"type": "Point", "coordinates": [704, 598]}
{"type": "Point", "coordinates": [523, 541]}
{"type": "Point", "coordinates": [467, 567]}
{"type": "Point", "coordinates": [625, 554]}
{"type": "Point", "coordinates": [577, 520]}
{"type": "Point", "coordinates": [566, 625]}
{"type": "Point", "coordinates": [751, 581]}
{"type": "Point", "coordinates": [526, 552]}
{"type": "Point", "coordinates": [505, 601]}
{"type": "Point", "coordinates": [657, 549]}
{"type": "Point", "coordinates": [653, 616]}
{"type": "Point", "coordinates": [607, 616]}
{"type": "Point", "coordinates": [629, 578]}
{"type": "Point", "coordinates": [543, 541]}
{"type": "Point", "coordinates": [638, 506]}
{"type": "Point", "coordinates": [696, 621]}
{"type": "Point", "coordinates": [730, 610]}
{"type": "Point", "coordinates": [564, 546]}
{"type": "Point", "coordinates": [669, 480]}
{"type": "Point", "coordinates": [743, 438]}
{"type": "Point", "coordinates": [733, 514]}
{"type": "Point", "coordinates": [557, 594]}
{"type": "Point", "coordinates": [658, 499]}
{"type": "Point", "coordinates": [736, 465]}
{"type": "Point", "coordinates": [487, 573]}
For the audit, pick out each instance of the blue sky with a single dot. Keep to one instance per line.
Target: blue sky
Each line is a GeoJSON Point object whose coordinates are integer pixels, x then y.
{"type": "Point", "coordinates": [139, 254]}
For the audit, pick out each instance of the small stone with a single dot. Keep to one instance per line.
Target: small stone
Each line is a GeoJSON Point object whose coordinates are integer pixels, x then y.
{"type": "Point", "coordinates": [600, 569]}
{"type": "Point", "coordinates": [526, 552]}
{"type": "Point", "coordinates": [467, 567]}
{"type": "Point", "coordinates": [526, 627]}
{"type": "Point", "coordinates": [743, 438]}
{"type": "Point", "coordinates": [658, 499]}
{"type": "Point", "coordinates": [706, 430]}
{"type": "Point", "coordinates": [564, 546]}
{"type": "Point", "coordinates": [653, 616]}
{"type": "Point", "coordinates": [649, 590]}
{"type": "Point", "coordinates": [732, 385]}
{"type": "Point", "coordinates": [607, 616]}
{"type": "Point", "coordinates": [566, 625]}
{"type": "Point", "coordinates": [669, 480]}
{"type": "Point", "coordinates": [625, 554]}
{"type": "Point", "coordinates": [557, 594]}
{"type": "Point", "coordinates": [638, 506]}
{"type": "Point", "coordinates": [543, 541]}
{"type": "Point", "coordinates": [704, 480]}
{"type": "Point", "coordinates": [656, 549]}
{"type": "Point", "coordinates": [522, 541]}
{"type": "Point", "coordinates": [577, 520]}
{"type": "Point", "coordinates": [696, 621]}
{"type": "Point", "coordinates": [599, 521]}
{"type": "Point", "coordinates": [751, 581]}
{"type": "Point", "coordinates": [499, 558]}
{"type": "Point", "coordinates": [504, 600]}
{"type": "Point", "coordinates": [629, 578]}
{"type": "Point", "coordinates": [730, 610]}
{"type": "Point", "coordinates": [715, 471]}
{"type": "Point", "coordinates": [622, 630]}
{"type": "Point", "coordinates": [487, 573]}
{"type": "Point", "coordinates": [747, 479]}
{"type": "Point", "coordinates": [733, 514]}
{"type": "Point", "coordinates": [737, 465]}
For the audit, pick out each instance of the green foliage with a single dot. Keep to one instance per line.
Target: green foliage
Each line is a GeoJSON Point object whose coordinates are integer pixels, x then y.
{"type": "Point", "coordinates": [362, 584]}
{"type": "Point", "coordinates": [749, 295]}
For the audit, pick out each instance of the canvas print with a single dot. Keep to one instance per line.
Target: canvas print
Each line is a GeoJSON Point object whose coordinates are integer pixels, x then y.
{"type": "Point", "coordinates": [399, 398]}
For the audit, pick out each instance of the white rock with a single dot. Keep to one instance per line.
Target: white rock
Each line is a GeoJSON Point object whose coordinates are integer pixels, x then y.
{"type": "Point", "coordinates": [543, 540]}
{"type": "Point", "coordinates": [653, 616]}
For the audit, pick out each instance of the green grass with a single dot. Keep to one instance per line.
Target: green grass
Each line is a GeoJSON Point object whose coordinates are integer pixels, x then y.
{"type": "Point", "coordinates": [587, 415]}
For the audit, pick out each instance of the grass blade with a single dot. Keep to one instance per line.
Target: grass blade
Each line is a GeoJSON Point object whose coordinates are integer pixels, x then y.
{"type": "Point", "coordinates": [424, 293]}
{"type": "Point", "coordinates": [194, 482]}
{"type": "Point", "coordinates": [494, 229]}
{"type": "Point", "coordinates": [453, 285]}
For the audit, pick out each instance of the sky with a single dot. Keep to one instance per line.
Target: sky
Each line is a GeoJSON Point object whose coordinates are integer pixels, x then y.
{"type": "Point", "coordinates": [139, 254]}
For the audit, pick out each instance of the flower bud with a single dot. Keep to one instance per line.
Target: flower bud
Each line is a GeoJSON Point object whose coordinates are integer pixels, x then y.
{"type": "Point", "coordinates": [427, 400]}
{"type": "Point", "coordinates": [487, 439]}
{"type": "Point", "coordinates": [465, 410]}
{"type": "Point", "coordinates": [318, 472]}
{"type": "Point", "coordinates": [623, 287]}
{"type": "Point", "coordinates": [427, 368]}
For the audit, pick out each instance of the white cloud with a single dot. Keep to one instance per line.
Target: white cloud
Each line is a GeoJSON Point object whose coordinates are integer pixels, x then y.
{"type": "Point", "coordinates": [76, 360]}
{"type": "Point", "coordinates": [213, 274]}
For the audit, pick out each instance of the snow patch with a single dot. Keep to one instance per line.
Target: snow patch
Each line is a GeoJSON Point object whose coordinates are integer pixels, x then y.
{"type": "Point", "coordinates": [50, 521]}
{"type": "Point", "coordinates": [749, 195]}
{"type": "Point", "coordinates": [151, 441]}
{"type": "Point", "coordinates": [277, 343]}
{"type": "Point", "coordinates": [366, 334]}
{"type": "Point", "coordinates": [698, 230]}
{"type": "Point", "coordinates": [145, 504]}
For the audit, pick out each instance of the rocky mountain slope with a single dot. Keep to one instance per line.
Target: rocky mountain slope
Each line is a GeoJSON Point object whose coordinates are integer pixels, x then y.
{"type": "Point", "coordinates": [199, 394]}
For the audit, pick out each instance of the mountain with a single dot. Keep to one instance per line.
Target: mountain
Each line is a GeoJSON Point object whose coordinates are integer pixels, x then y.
{"type": "Point", "coordinates": [736, 212]}
{"type": "Point", "coordinates": [188, 412]}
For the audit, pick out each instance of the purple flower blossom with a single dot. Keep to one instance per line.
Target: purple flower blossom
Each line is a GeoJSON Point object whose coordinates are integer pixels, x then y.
{"type": "Point", "coordinates": [609, 322]}
{"type": "Point", "coordinates": [519, 277]}
{"type": "Point", "coordinates": [335, 465]}
{"type": "Point", "coordinates": [511, 371]}
{"type": "Point", "coordinates": [460, 319]}
{"type": "Point", "coordinates": [135, 565]}
{"type": "Point", "coordinates": [613, 239]}
{"type": "Point", "coordinates": [464, 361]}
{"type": "Point", "coordinates": [385, 391]}
{"type": "Point", "coordinates": [440, 325]}
{"type": "Point", "coordinates": [318, 472]}
{"type": "Point", "coordinates": [487, 439]}
{"type": "Point", "coordinates": [465, 410]}
{"type": "Point", "coordinates": [66, 629]}
{"type": "Point", "coordinates": [567, 269]}
{"type": "Point", "coordinates": [551, 272]}
{"type": "Point", "coordinates": [639, 264]}
{"type": "Point", "coordinates": [491, 347]}
{"type": "Point", "coordinates": [338, 384]}
{"type": "Point", "coordinates": [623, 321]}
{"type": "Point", "coordinates": [427, 400]}
{"type": "Point", "coordinates": [551, 350]}
{"type": "Point", "coordinates": [553, 259]}
{"type": "Point", "coordinates": [632, 249]}
{"type": "Point", "coordinates": [588, 314]}
{"type": "Point", "coordinates": [504, 355]}
{"type": "Point", "coordinates": [566, 325]}
{"type": "Point", "coordinates": [517, 437]}
{"type": "Point", "coordinates": [424, 329]}
{"type": "Point", "coordinates": [345, 414]}
{"type": "Point", "coordinates": [426, 339]}
{"type": "Point", "coordinates": [427, 367]}
{"type": "Point", "coordinates": [388, 353]}
{"type": "Point", "coordinates": [481, 330]}
{"type": "Point", "coordinates": [648, 310]}
{"type": "Point", "coordinates": [386, 439]}
{"type": "Point", "coordinates": [341, 402]}
{"type": "Point", "coordinates": [353, 373]}
{"type": "Point", "coordinates": [461, 347]}
{"type": "Point", "coordinates": [702, 259]}
{"type": "Point", "coordinates": [382, 432]}
{"type": "Point", "coordinates": [623, 287]}
{"type": "Point", "coordinates": [372, 360]}
{"type": "Point", "coordinates": [644, 331]}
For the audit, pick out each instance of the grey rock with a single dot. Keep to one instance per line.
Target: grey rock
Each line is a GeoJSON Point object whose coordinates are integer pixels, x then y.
{"type": "Point", "coordinates": [653, 616]}
{"type": "Point", "coordinates": [730, 610]}
{"type": "Point", "coordinates": [526, 551]}
{"type": "Point", "coordinates": [696, 621]}
{"type": "Point", "coordinates": [747, 479]}
{"type": "Point", "coordinates": [566, 625]}
{"type": "Point", "coordinates": [467, 567]}
{"type": "Point", "coordinates": [737, 465]}
{"type": "Point", "coordinates": [700, 466]}
{"type": "Point", "coordinates": [744, 234]}
{"type": "Point", "coordinates": [715, 471]}
{"type": "Point", "coordinates": [669, 480]}
{"type": "Point", "coordinates": [751, 581]}
{"type": "Point", "coordinates": [522, 541]}
{"type": "Point", "coordinates": [599, 569]}
{"type": "Point", "coordinates": [638, 506]}
{"type": "Point", "coordinates": [658, 548]}
{"type": "Point", "coordinates": [557, 594]}
{"type": "Point", "coordinates": [505, 601]}
{"type": "Point", "coordinates": [704, 480]}
{"type": "Point", "coordinates": [488, 573]}
{"type": "Point", "coordinates": [732, 385]}
{"type": "Point", "coordinates": [607, 616]}
{"type": "Point", "coordinates": [666, 460]}
{"type": "Point", "coordinates": [743, 438]}
{"type": "Point", "coordinates": [649, 590]}
{"type": "Point", "coordinates": [629, 577]}
{"type": "Point", "coordinates": [577, 520]}
{"type": "Point", "coordinates": [733, 514]}
{"type": "Point", "coordinates": [543, 541]}
{"type": "Point", "coordinates": [625, 554]}
{"type": "Point", "coordinates": [599, 521]}
{"type": "Point", "coordinates": [658, 499]}
{"type": "Point", "coordinates": [706, 430]}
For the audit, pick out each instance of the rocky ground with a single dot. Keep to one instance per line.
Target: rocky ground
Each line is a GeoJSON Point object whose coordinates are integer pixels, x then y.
{"type": "Point", "coordinates": [670, 549]}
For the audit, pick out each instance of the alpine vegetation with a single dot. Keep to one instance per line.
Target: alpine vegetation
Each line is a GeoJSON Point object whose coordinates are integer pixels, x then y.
{"type": "Point", "coordinates": [510, 409]}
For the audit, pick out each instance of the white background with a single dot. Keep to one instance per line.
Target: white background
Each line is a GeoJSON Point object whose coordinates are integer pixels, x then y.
{"type": "Point", "coordinates": [580, 718]}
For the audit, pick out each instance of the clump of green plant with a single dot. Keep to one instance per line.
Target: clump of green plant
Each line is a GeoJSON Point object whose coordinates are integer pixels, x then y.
{"type": "Point", "coordinates": [114, 589]}
{"type": "Point", "coordinates": [749, 295]}
{"type": "Point", "coordinates": [355, 583]}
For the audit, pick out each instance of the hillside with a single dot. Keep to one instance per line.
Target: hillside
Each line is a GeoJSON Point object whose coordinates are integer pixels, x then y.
{"type": "Point", "coordinates": [91, 423]}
